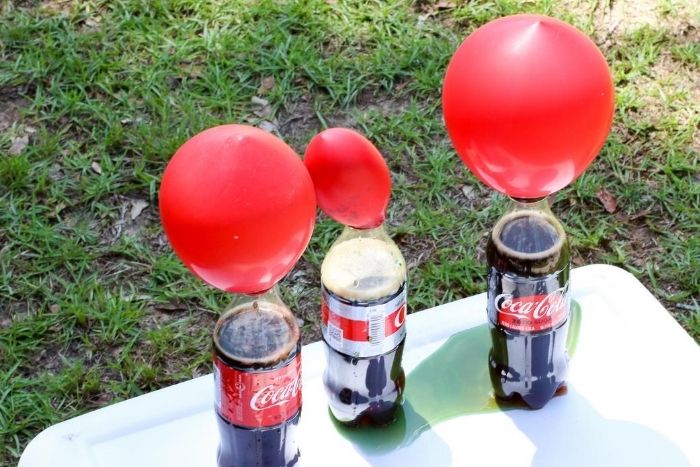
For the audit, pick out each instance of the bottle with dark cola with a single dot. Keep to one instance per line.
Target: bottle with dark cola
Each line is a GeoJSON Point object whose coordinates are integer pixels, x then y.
{"type": "Point", "coordinates": [363, 312]}
{"type": "Point", "coordinates": [257, 380]}
{"type": "Point", "coordinates": [528, 303]}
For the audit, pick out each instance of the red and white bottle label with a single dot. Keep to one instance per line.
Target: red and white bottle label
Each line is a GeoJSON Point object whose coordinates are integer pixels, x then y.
{"type": "Point", "coordinates": [363, 330]}
{"type": "Point", "coordinates": [257, 398]}
{"type": "Point", "coordinates": [534, 312]}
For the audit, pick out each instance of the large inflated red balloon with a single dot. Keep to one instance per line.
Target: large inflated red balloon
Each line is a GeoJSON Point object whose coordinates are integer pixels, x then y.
{"type": "Point", "coordinates": [238, 207]}
{"type": "Point", "coordinates": [352, 180]}
{"type": "Point", "coordinates": [528, 102]}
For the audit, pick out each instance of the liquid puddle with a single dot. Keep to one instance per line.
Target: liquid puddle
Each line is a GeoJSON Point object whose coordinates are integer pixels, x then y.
{"type": "Point", "coordinates": [451, 382]}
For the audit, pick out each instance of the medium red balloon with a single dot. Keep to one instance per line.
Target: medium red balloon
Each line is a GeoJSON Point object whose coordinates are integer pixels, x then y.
{"type": "Point", "coordinates": [238, 207]}
{"type": "Point", "coordinates": [351, 178]}
{"type": "Point", "coordinates": [528, 102]}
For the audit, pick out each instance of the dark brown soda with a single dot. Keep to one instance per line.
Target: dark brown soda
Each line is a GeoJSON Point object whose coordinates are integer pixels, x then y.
{"type": "Point", "coordinates": [261, 342]}
{"type": "Point", "coordinates": [528, 255]}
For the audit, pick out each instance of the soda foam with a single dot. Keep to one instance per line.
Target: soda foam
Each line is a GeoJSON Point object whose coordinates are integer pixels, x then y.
{"type": "Point", "coordinates": [363, 269]}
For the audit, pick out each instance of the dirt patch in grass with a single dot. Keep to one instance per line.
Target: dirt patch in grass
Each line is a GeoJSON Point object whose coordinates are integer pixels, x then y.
{"type": "Point", "coordinates": [137, 219]}
{"type": "Point", "coordinates": [612, 20]}
{"type": "Point", "coordinates": [11, 104]}
{"type": "Point", "coordinates": [664, 91]}
{"type": "Point", "coordinates": [303, 292]}
{"type": "Point", "coordinates": [642, 244]}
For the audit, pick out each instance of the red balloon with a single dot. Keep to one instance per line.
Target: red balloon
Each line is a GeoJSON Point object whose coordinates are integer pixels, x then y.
{"type": "Point", "coordinates": [528, 102]}
{"type": "Point", "coordinates": [350, 176]}
{"type": "Point", "coordinates": [238, 207]}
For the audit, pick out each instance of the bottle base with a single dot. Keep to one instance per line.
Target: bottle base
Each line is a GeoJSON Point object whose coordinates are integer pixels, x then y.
{"type": "Point", "coordinates": [377, 414]}
{"type": "Point", "coordinates": [533, 401]}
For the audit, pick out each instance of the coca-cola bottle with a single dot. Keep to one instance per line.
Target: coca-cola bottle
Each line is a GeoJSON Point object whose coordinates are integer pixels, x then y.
{"type": "Point", "coordinates": [257, 379]}
{"type": "Point", "coordinates": [528, 303]}
{"type": "Point", "coordinates": [363, 312]}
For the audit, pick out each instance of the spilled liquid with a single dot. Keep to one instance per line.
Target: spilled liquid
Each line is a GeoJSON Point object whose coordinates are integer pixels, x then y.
{"type": "Point", "coordinates": [452, 382]}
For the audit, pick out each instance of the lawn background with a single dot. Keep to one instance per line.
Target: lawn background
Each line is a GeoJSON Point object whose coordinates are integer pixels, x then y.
{"type": "Point", "coordinates": [95, 97]}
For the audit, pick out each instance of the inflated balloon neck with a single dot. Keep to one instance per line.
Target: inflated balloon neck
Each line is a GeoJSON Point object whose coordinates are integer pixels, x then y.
{"type": "Point", "coordinates": [378, 223]}
{"type": "Point", "coordinates": [365, 228]}
{"type": "Point", "coordinates": [355, 219]}
{"type": "Point", "coordinates": [527, 200]}
{"type": "Point", "coordinates": [378, 232]}
{"type": "Point", "coordinates": [271, 295]}
{"type": "Point", "coordinates": [529, 204]}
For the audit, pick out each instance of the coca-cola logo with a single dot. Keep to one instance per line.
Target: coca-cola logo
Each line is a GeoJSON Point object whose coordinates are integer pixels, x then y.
{"type": "Point", "coordinates": [532, 312]}
{"type": "Point", "coordinates": [400, 317]}
{"type": "Point", "coordinates": [273, 395]}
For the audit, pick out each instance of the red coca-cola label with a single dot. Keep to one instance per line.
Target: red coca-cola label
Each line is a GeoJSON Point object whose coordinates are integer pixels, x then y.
{"type": "Point", "coordinates": [363, 330]}
{"type": "Point", "coordinates": [257, 398]}
{"type": "Point", "coordinates": [359, 331]}
{"type": "Point", "coordinates": [532, 313]}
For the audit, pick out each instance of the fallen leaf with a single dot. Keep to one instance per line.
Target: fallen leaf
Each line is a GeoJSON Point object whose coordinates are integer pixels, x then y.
{"type": "Point", "coordinates": [268, 84]}
{"type": "Point", "coordinates": [93, 23]}
{"type": "Point", "coordinates": [196, 71]}
{"type": "Point", "coordinates": [270, 127]}
{"type": "Point", "coordinates": [96, 167]}
{"type": "Point", "coordinates": [129, 121]}
{"type": "Point", "coordinates": [259, 101]}
{"type": "Point", "coordinates": [57, 210]}
{"type": "Point", "coordinates": [101, 399]}
{"type": "Point", "coordinates": [608, 200]}
{"type": "Point", "coordinates": [137, 207]}
{"type": "Point", "coordinates": [18, 145]}
{"type": "Point", "coordinates": [468, 191]}
{"type": "Point", "coordinates": [264, 110]}
{"type": "Point", "coordinates": [432, 9]}
{"type": "Point", "coordinates": [55, 172]}
{"type": "Point", "coordinates": [57, 6]}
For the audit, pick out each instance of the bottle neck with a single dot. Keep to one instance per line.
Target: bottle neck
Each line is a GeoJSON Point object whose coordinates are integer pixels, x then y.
{"type": "Point", "coordinates": [270, 296]}
{"type": "Point", "coordinates": [257, 330]}
{"type": "Point", "coordinates": [378, 232]}
{"type": "Point", "coordinates": [528, 238]}
{"type": "Point", "coordinates": [529, 204]}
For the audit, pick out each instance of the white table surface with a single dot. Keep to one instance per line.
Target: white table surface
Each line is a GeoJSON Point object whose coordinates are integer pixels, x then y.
{"type": "Point", "coordinates": [632, 400]}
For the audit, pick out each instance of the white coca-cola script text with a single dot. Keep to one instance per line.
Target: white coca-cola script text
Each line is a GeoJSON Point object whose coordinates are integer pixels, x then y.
{"type": "Point", "coordinates": [532, 308]}
{"type": "Point", "coordinates": [272, 395]}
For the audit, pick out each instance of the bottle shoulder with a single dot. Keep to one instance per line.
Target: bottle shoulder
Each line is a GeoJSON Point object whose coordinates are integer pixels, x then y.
{"type": "Point", "coordinates": [363, 267]}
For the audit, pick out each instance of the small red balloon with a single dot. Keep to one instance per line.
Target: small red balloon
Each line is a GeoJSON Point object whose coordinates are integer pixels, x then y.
{"type": "Point", "coordinates": [238, 207]}
{"type": "Point", "coordinates": [351, 178]}
{"type": "Point", "coordinates": [528, 102]}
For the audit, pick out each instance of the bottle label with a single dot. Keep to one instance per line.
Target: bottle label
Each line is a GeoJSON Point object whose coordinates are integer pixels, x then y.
{"type": "Point", "coordinates": [257, 398]}
{"type": "Point", "coordinates": [363, 330]}
{"type": "Point", "coordinates": [530, 305]}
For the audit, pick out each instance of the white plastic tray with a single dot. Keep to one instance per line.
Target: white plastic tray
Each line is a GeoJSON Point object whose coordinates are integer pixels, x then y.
{"type": "Point", "coordinates": [632, 400]}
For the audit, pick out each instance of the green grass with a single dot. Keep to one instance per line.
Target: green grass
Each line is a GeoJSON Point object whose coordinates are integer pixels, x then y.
{"type": "Point", "coordinates": [94, 307]}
